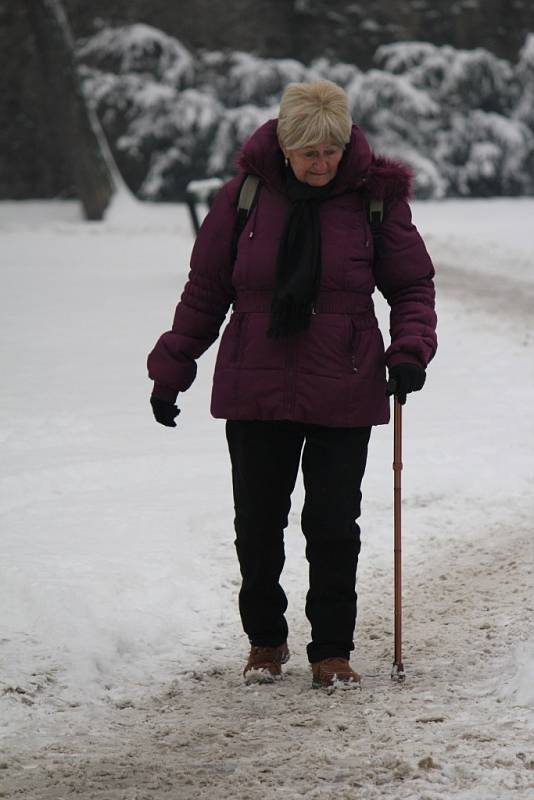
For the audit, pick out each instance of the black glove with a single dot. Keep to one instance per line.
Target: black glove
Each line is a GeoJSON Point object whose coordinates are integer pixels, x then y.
{"type": "Point", "coordinates": [403, 379]}
{"type": "Point", "coordinates": [164, 411]}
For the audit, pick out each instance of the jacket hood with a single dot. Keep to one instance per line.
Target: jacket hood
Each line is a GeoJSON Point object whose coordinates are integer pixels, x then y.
{"type": "Point", "coordinates": [359, 168]}
{"type": "Point", "coordinates": [388, 180]}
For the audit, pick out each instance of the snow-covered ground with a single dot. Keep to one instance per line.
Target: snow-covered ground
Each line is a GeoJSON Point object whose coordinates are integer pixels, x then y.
{"type": "Point", "coordinates": [120, 643]}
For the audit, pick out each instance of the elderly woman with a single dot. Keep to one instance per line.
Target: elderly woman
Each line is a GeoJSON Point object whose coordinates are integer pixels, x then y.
{"type": "Point", "coordinates": [301, 367]}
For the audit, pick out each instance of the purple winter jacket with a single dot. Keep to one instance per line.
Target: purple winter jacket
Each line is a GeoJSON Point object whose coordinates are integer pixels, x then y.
{"type": "Point", "coordinates": [333, 373]}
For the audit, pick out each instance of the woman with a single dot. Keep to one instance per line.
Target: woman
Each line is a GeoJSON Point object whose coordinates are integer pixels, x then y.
{"type": "Point", "coordinates": [301, 368]}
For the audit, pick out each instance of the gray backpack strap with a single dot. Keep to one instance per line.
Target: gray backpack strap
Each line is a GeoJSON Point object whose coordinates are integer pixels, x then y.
{"type": "Point", "coordinates": [376, 215]}
{"type": "Point", "coordinates": [376, 212]}
{"type": "Point", "coordinates": [247, 194]}
{"type": "Point", "coordinates": [245, 201]}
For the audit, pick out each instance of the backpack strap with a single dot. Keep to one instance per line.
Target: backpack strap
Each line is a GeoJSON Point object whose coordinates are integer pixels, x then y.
{"type": "Point", "coordinates": [376, 215]}
{"type": "Point", "coordinates": [245, 201]}
{"type": "Point", "coordinates": [247, 195]}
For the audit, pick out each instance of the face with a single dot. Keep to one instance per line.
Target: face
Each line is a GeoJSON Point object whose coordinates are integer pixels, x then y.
{"type": "Point", "coordinates": [315, 165]}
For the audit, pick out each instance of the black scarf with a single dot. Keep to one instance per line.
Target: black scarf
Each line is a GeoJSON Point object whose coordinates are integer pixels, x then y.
{"type": "Point", "coordinates": [298, 271]}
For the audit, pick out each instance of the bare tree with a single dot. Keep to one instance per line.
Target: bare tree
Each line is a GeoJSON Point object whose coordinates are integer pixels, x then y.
{"type": "Point", "coordinates": [79, 133]}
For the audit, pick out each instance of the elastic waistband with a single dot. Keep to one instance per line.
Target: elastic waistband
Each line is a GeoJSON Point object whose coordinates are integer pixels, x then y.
{"type": "Point", "coordinates": [353, 303]}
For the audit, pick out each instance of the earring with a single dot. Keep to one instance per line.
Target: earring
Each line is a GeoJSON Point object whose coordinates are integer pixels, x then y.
{"type": "Point", "coordinates": [286, 161]}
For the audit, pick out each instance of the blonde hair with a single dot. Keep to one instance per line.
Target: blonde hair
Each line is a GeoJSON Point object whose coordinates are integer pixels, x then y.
{"type": "Point", "coordinates": [311, 113]}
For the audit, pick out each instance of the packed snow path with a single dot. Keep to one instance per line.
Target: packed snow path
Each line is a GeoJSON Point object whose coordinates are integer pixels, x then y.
{"type": "Point", "coordinates": [121, 649]}
{"type": "Point", "coordinates": [204, 735]}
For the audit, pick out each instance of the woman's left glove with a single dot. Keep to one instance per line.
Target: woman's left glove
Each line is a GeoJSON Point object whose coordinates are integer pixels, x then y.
{"type": "Point", "coordinates": [403, 379]}
{"type": "Point", "coordinates": [164, 411]}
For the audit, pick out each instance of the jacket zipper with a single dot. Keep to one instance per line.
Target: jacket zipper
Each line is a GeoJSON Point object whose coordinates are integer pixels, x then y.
{"type": "Point", "coordinates": [354, 342]}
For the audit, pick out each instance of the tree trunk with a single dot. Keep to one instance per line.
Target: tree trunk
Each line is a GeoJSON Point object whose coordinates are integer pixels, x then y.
{"type": "Point", "coordinates": [79, 133]}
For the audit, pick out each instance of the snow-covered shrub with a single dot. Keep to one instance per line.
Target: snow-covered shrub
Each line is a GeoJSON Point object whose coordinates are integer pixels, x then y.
{"type": "Point", "coordinates": [465, 79]}
{"type": "Point", "coordinates": [484, 154]}
{"type": "Point", "coordinates": [428, 181]}
{"type": "Point", "coordinates": [525, 65]}
{"type": "Point", "coordinates": [240, 79]}
{"type": "Point", "coordinates": [525, 78]}
{"type": "Point", "coordinates": [159, 135]}
{"type": "Point", "coordinates": [384, 105]}
{"type": "Point", "coordinates": [463, 120]}
{"type": "Point", "coordinates": [139, 49]}
{"type": "Point", "coordinates": [478, 79]}
{"type": "Point", "coordinates": [176, 140]}
{"type": "Point", "coordinates": [473, 141]}
{"type": "Point", "coordinates": [159, 130]}
{"type": "Point", "coordinates": [235, 127]}
{"type": "Point", "coordinates": [400, 58]}
{"type": "Point", "coordinates": [340, 73]}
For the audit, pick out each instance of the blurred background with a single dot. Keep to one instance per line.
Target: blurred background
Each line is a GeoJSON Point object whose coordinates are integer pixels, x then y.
{"type": "Point", "coordinates": [177, 86]}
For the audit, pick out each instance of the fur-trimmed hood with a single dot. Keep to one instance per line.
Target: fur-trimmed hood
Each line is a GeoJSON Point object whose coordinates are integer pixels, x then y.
{"type": "Point", "coordinates": [388, 180]}
{"type": "Point", "coordinates": [359, 169]}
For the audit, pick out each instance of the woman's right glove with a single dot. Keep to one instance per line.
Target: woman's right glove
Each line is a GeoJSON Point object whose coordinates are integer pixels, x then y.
{"type": "Point", "coordinates": [164, 411]}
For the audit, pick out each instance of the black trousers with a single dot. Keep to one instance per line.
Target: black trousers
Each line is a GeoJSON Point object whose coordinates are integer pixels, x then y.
{"type": "Point", "coordinates": [265, 462]}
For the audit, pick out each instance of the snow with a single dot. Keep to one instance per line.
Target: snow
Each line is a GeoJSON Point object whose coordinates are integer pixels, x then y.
{"type": "Point", "coordinates": [491, 237]}
{"type": "Point", "coordinates": [120, 648]}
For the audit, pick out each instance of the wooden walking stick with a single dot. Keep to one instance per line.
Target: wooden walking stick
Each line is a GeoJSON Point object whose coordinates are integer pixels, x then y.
{"type": "Point", "coordinates": [397, 673]}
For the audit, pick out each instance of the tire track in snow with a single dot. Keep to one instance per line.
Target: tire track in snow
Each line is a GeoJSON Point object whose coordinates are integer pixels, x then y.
{"type": "Point", "coordinates": [511, 300]}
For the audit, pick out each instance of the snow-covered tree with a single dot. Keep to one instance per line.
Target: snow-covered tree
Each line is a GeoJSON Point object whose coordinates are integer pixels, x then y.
{"type": "Point", "coordinates": [484, 154]}
{"type": "Point", "coordinates": [176, 141]}
{"type": "Point", "coordinates": [78, 130]}
{"type": "Point", "coordinates": [524, 73]}
{"type": "Point", "coordinates": [473, 141]}
{"type": "Point", "coordinates": [236, 125]}
{"type": "Point", "coordinates": [463, 120]}
{"type": "Point", "coordinates": [261, 80]}
{"type": "Point", "coordinates": [478, 79]}
{"type": "Point", "coordinates": [338, 72]}
{"type": "Point", "coordinates": [139, 50]}
{"type": "Point", "coordinates": [456, 78]}
{"type": "Point", "coordinates": [386, 104]}
{"type": "Point", "coordinates": [241, 79]}
{"type": "Point", "coordinates": [138, 78]}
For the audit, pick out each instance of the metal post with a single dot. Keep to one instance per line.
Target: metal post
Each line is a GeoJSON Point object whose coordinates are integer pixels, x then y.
{"type": "Point", "coordinates": [191, 205]}
{"type": "Point", "coordinates": [397, 672]}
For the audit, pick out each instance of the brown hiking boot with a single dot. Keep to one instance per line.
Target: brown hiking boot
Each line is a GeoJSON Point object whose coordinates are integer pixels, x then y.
{"type": "Point", "coordinates": [333, 673]}
{"type": "Point", "coordinates": [264, 664]}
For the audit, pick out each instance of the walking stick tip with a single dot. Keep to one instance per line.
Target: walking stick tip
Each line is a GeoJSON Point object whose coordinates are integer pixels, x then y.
{"type": "Point", "coordinates": [397, 673]}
